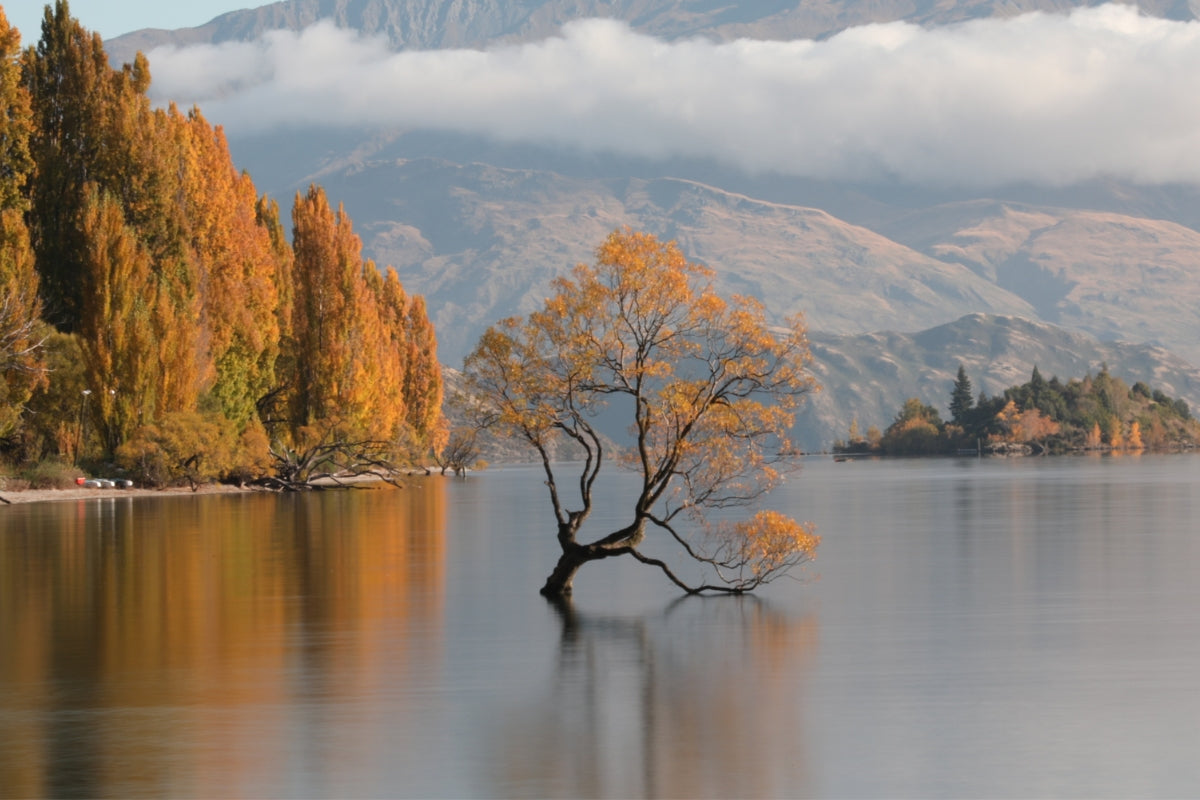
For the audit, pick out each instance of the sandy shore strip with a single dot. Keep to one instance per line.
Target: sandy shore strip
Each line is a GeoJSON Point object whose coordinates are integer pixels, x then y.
{"type": "Point", "coordinates": [80, 493]}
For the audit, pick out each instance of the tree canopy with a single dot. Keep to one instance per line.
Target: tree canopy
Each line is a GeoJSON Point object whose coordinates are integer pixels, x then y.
{"type": "Point", "coordinates": [149, 296]}
{"type": "Point", "coordinates": [706, 386]}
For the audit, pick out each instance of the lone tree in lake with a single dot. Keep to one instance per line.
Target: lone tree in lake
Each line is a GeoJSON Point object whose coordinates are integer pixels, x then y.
{"type": "Point", "coordinates": [707, 388]}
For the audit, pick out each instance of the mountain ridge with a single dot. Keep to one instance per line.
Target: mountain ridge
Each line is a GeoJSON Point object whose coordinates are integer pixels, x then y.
{"type": "Point", "coordinates": [420, 24]}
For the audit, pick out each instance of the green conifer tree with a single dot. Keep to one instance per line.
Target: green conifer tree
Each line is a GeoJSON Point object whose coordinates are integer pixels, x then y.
{"type": "Point", "coordinates": [960, 398]}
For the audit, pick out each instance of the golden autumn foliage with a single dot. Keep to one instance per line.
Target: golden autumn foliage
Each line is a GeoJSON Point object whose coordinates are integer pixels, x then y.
{"type": "Point", "coordinates": [769, 542]}
{"type": "Point", "coordinates": [22, 368]}
{"type": "Point", "coordinates": [181, 447]}
{"type": "Point", "coordinates": [117, 326]}
{"type": "Point", "coordinates": [173, 282]}
{"type": "Point", "coordinates": [21, 332]}
{"type": "Point", "coordinates": [1028, 425]}
{"type": "Point", "coordinates": [240, 297]}
{"type": "Point", "coordinates": [16, 121]}
{"type": "Point", "coordinates": [1134, 442]}
{"type": "Point", "coordinates": [706, 384]}
{"type": "Point", "coordinates": [365, 354]}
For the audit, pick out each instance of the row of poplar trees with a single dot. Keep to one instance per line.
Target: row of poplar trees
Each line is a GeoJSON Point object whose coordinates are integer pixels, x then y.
{"type": "Point", "coordinates": [147, 287]}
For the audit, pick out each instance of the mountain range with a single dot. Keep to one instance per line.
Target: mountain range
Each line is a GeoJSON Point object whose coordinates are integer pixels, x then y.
{"type": "Point", "coordinates": [429, 24]}
{"type": "Point", "coordinates": [898, 283]}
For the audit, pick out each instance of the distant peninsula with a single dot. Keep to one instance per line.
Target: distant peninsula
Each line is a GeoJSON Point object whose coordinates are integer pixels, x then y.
{"type": "Point", "coordinates": [1092, 413]}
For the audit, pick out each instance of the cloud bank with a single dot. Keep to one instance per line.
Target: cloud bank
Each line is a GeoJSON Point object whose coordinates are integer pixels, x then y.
{"type": "Point", "coordinates": [1102, 92]}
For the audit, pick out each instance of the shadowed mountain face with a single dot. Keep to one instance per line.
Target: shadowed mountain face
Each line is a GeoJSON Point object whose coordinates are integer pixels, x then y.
{"type": "Point", "coordinates": [898, 283]}
{"type": "Point", "coordinates": [1114, 276]}
{"type": "Point", "coordinates": [482, 243]}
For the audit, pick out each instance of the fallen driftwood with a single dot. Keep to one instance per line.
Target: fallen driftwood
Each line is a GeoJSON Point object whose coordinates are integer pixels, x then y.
{"type": "Point", "coordinates": [330, 464]}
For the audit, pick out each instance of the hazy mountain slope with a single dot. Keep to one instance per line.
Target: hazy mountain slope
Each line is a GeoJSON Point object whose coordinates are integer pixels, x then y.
{"type": "Point", "coordinates": [867, 377]}
{"type": "Point", "coordinates": [1114, 276]}
{"type": "Point", "coordinates": [481, 243]}
{"type": "Point", "coordinates": [428, 24]}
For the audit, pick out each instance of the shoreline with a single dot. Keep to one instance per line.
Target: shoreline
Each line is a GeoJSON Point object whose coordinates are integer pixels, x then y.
{"type": "Point", "coordinates": [22, 496]}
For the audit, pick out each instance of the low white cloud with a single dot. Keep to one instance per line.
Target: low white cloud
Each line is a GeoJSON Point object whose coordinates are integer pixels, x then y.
{"type": "Point", "coordinates": [1045, 98]}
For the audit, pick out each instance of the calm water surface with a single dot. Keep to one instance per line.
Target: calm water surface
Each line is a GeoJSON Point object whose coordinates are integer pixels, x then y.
{"type": "Point", "coordinates": [1016, 628]}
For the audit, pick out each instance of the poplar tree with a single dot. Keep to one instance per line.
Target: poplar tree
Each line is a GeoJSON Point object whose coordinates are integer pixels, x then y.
{"type": "Point", "coordinates": [335, 323]}
{"type": "Point", "coordinates": [66, 76]}
{"type": "Point", "coordinates": [16, 122]}
{"type": "Point", "coordinates": [122, 364]}
{"type": "Point", "coordinates": [237, 261]}
{"type": "Point", "coordinates": [318, 309]}
{"type": "Point", "coordinates": [22, 367]}
{"type": "Point", "coordinates": [272, 406]}
{"type": "Point", "coordinates": [423, 385]}
{"type": "Point", "coordinates": [21, 364]}
{"type": "Point", "coordinates": [391, 302]}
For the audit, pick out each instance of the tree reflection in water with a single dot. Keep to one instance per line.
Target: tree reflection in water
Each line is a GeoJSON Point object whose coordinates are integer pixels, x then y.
{"type": "Point", "coordinates": [210, 646]}
{"type": "Point", "coordinates": [667, 706]}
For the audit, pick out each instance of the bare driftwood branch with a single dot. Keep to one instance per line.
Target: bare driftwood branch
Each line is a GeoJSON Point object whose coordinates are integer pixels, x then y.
{"type": "Point", "coordinates": [332, 463]}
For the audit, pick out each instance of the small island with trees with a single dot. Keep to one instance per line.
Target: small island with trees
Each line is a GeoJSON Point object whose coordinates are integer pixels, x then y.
{"type": "Point", "coordinates": [1092, 413]}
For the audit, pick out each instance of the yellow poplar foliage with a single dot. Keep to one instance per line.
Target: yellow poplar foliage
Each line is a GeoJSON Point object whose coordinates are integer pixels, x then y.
{"type": "Point", "coordinates": [1135, 436]}
{"type": "Point", "coordinates": [1115, 439]}
{"type": "Point", "coordinates": [364, 354]}
{"type": "Point", "coordinates": [267, 213]}
{"type": "Point", "coordinates": [320, 313]}
{"type": "Point", "coordinates": [21, 362]}
{"type": "Point", "coordinates": [118, 329]}
{"type": "Point", "coordinates": [389, 300]}
{"type": "Point", "coordinates": [21, 367]}
{"type": "Point", "coordinates": [423, 377]}
{"type": "Point", "coordinates": [239, 291]}
{"type": "Point", "coordinates": [16, 122]}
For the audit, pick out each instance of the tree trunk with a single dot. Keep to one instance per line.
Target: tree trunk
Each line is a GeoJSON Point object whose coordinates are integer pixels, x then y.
{"type": "Point", "coordinates": [559, 582]}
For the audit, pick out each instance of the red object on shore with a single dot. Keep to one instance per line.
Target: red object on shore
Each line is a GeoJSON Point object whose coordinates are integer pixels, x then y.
{"type": "Point", "coordinates": [79, 481]}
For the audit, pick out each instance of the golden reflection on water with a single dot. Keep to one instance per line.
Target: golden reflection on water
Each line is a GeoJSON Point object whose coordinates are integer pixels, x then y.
{"type": "Point", "coordinates": [132, 631]}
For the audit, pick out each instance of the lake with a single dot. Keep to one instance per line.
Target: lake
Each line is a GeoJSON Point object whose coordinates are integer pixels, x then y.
{"type": "Point", "coordinates": [970, 628]}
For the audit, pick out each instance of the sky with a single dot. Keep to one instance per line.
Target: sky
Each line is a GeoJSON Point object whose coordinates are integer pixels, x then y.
{"type": "Point", "coordinates": [111, 18]}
